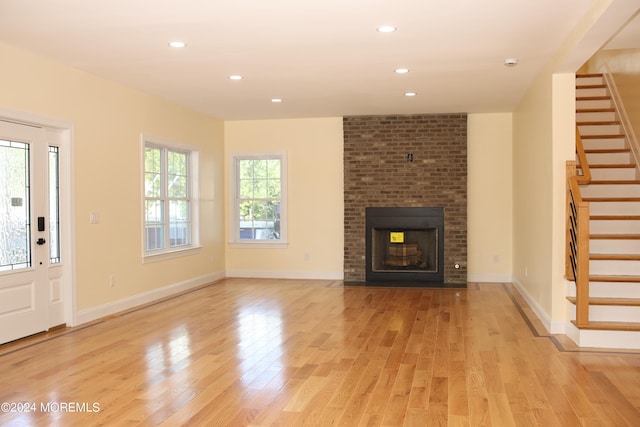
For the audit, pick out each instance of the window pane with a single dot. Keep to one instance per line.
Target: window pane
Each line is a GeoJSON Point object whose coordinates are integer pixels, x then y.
{"type": "Point", "coordinates": [177, 186]}
{"type": "Point", "coordinates": [54, 206]}
{"type": "Point", "coordinates": [177, 175]}
{"type": "Point", "coordinates": [259, 220]}
{"type": "Point", "coordinates": [246, 189]}
{"type": "Point", "coordinates": [177, 163]}
{"type": "Point", "coordinates": [152, 175]}
{"type": "Point", "coordinates": [273, 190]}
{"type": "Point", "coordinates": [274, 168]}
{"type": "Point", "coordinates": [152, 159]}
{"type": "Point", "coordinates": [154, 224]}
{"type": "Point", "coordinates": [259, 168]}
{"type": "Point", "coordinates": [260, 189]}
{"type": "Point", "coordinates": [154, 212]}
{"type": "Point", "coordinates": [15, 250]}
{"type": "Point", "coordinates": [179, 223]}
{"type": "Point", "coordinates": [246, 169]}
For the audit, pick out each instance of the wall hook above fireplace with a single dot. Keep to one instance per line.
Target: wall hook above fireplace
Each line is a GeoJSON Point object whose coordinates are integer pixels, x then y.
{"type": "Point", "coordinates": [410, 158]}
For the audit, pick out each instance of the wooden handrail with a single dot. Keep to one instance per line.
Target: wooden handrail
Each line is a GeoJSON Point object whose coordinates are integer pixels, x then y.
{"type": "Point", "coordinates": [577, 250]}
{"type": "Point", "coordinates": [585, 178]}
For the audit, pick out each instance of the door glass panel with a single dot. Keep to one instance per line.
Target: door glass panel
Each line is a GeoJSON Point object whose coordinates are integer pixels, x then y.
{"type": "Point", "coordinates": [54, 206]}
{"type": "Point", "coordinates": [15, 249]}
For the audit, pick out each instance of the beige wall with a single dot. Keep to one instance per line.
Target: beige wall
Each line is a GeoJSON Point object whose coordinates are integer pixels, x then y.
{"type": "Point", "coordinates": [624, 66]}
{"type": "Point", "coordinates": [314, 148]}
{"type": "Point", "coordinates": [489, 197]}
{"type": "Point", "coordinates": [315, 197]}
{"type": "Point", "coordinates": [108, 120]}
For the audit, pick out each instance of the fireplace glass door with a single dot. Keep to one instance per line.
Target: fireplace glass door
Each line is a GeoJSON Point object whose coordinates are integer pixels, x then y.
{"type": "Point", "coordinates": [405, 250]}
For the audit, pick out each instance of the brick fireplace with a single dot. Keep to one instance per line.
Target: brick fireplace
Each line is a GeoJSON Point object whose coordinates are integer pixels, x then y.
{"type": "Point", "coordinates": [406, 161]}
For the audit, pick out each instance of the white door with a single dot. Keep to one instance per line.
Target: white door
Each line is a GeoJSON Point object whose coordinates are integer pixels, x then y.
{"type": "Point", "coordinates": [29, 232]}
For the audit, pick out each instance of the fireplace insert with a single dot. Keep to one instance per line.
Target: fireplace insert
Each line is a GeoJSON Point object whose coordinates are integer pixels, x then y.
{"type": "Point", "coordinates": [405, 244]}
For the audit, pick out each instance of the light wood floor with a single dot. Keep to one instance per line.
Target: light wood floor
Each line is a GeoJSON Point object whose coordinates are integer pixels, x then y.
{"type": "Point", "coordinates": [272, 352]}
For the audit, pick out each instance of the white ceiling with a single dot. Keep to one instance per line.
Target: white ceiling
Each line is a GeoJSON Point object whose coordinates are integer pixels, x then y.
{"type": "Point", "coordinates": [323, 58]}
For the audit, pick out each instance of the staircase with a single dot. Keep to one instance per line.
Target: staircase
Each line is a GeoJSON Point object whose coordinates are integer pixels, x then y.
{"type": "Point", "coordinates": [613, 194]}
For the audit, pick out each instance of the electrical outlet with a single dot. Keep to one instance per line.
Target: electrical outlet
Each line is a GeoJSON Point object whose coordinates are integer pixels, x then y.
{"type": "Point", "coordinates": [112, 281]}
{"type": "Point", "coordinates": [94, 217]}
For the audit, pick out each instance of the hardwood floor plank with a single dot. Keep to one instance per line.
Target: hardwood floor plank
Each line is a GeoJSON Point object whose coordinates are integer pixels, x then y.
{"type": "Point", "coordinates": [263, 352]}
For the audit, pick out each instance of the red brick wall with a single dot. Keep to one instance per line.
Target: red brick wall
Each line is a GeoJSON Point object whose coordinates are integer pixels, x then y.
{"type": "Point", "coordinates": [377, 174]}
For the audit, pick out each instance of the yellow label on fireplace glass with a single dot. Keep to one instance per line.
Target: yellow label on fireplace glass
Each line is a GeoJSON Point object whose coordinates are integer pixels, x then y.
{"type": "Point", "coordinates": [396, 236]}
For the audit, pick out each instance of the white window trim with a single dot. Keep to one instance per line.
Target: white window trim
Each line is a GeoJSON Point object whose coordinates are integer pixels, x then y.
{"type": "Point", "coordinates": [233, 223]}
{"type": "Point", "coordinates": [194, 178]}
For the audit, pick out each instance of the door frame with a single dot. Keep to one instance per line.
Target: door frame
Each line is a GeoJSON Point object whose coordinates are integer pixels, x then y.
{"type": "Point", "coordinates": [67, 191]}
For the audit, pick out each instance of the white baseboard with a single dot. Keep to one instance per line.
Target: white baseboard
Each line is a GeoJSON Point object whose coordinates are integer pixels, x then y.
{"type": "Point", "coordinates": [625, 340]}
{"type": "Point", "coordinates": [113, 307]}
{"type": "Point", "coordinates": [300, 275]}
{"type": "Point", "coordinates": [489, 278]}
{"type": "Point", "coordinates": [552, 326]}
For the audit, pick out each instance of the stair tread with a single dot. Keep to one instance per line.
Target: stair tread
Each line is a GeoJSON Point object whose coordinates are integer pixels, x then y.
{"type": "Point", "coordinates": [611, 199]}
{"type": "Point", "coordinates": [598, 122]}
{"type": "Point", "coordinates": [615, 236]}
{"type": "Point", "coordinates": [611, 165]}
{"type": "Point", "coordinates": [615, 257]}
{"type": "Point", "coordinates": [614, 181]}
{"type": "Point", "coordinates": [615, 217]}
{"type": "Point", "coordinates": [595, 110]}
{"type": "Point", "coordinates": [611, 326]}
{"type": "Point", "coordinates": [628, 302]}
{"type": "Point", "coordinates": [605, 136]}
{"type": "Point", "coordinates": [607, 150]}
{"type": "Point", "coordinates": [588, 75]}
{"type": "Point", "coordinates": [591, 86]}
{"type": "Point", "coordinates": [593, 98]}
{"type": "Point", "coordinates": [618, 279]}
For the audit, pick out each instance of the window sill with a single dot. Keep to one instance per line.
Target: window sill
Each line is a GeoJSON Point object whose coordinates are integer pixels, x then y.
{"type": "Point", "coordinates": [161, 256]}
{"type": "Point", "coordinates": [261, 244]}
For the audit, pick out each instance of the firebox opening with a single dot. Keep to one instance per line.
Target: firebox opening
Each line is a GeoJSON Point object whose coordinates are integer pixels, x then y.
{"type": "Point", "coordinates": [405, 250]}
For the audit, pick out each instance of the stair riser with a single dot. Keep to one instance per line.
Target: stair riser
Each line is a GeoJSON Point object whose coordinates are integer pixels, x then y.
{"type": "Point", "coordinates": [597, 103]}
{"type": "Point", "coordinates": [599, 116]}
{"type": "Point", "coordinates": [600, 129]}
{"type": "Point", "coordinates": [608, 158]}
{"type": "Point", "coordinates": [610, 190]}
{"type": "Point", "coordinates": [609, 267]}
{"type": "Point", "coordinates": [615, 208]}
{"type": "Point", "coordinates": [604, 313]}
{"type": "Point", "coordinates": [604, 339]}
{"type": "Point", "coordinates": [582, 80]}
{"type": "Point", "coordinates": [614, 227]}
{"type": "Point", "coordinates": [609, 313]}
{"type": "Point", "coordinates": [603, 246]}
{"type": "Point", "coordinates": [608, 290]}
{"type": "Point", "coordinates": [600, 91]}
{"type": "Point", "coordinates": [603, 174]}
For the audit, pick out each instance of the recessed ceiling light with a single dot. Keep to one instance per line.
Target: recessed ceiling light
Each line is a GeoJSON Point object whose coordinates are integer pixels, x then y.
{"type": "Point", "coordinates": [510, 62]}
{"type": "Point", "coordinates": [235, 77]}
{"type": "Point", "coordinates": [386, 29]}
{"type": "Point", "coordinates": [410, 94]}
{"type": "Point", "coordinates": [402, 70]}
{"type": "Point", "coordinates": [276, 100]}
{"type": "Point", "coordinates": [177, 44]}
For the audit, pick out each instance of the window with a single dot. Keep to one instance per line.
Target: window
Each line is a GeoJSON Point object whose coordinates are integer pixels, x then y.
{"type": "Point", "coordinates": [260, 199]}
{"type": "Point", "coordinates": [169, 205]}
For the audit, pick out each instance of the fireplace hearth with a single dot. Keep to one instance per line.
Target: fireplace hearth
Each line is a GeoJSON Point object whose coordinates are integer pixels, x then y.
{"type": "Point", "coordinates": [405, 244]}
